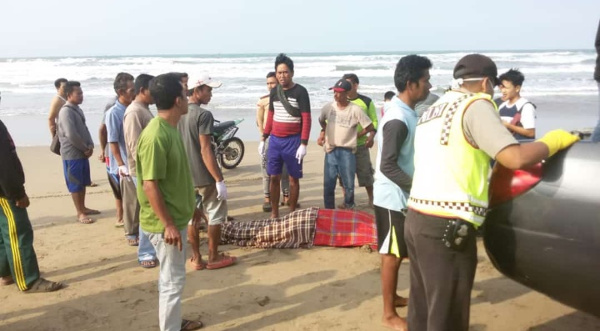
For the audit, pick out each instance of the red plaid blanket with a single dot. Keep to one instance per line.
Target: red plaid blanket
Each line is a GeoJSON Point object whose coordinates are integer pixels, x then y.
{"type": "Point", "coordinates": [345, 228]}
{"type": "Point", "coordinates": [303, 229]}
{"type": "Point", "coordinates": [295, 230]}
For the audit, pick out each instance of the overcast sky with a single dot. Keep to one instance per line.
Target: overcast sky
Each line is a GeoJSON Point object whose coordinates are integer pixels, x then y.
{"type": "Point", "coordinates": [117, 27]}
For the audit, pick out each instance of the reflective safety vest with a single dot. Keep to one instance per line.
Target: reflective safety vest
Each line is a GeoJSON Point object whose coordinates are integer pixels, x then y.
{"type": "Point", "coordinates": [451, 175]}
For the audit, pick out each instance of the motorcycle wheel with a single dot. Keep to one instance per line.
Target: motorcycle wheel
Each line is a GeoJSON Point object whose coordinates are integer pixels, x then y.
{"type": "Point", "coordinates": [233, 152]}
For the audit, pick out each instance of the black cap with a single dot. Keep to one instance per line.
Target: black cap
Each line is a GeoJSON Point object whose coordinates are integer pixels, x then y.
{"type": "Point", "coordinates": [476, 65]}
{"type": "Point", "coordinates": [341, 85]}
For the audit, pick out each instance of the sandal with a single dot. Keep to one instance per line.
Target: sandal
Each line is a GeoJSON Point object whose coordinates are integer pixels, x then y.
{"type": "Point", "coordinates": [85, 220]}
{"type": "Point", "coordinates": [133, 241]}
{"type": "Point", "coordinates": [147, 264]}
{"type": "Point", "coordinates": [267, 207]}
{"type": "Point", "coordinates": [188, 325]}
{"type": "Point", "coordinates": [42, 285]}
{"type": "Point", "coordinates": [224, 262]}
{"type": "Point", "coordinates": [119, 224]}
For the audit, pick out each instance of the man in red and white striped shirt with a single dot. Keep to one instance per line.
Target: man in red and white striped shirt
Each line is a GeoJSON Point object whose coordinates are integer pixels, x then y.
{"type": "Point", "coordinates": [288, 124]}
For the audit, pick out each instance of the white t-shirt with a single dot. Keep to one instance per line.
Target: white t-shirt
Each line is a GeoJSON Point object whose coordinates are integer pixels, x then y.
{"type": "Point", "coordinates": [527, 112]}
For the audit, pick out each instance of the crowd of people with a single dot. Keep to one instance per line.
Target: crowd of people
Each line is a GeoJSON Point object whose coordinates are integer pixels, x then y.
{"type": "Point", "coordinates": [429, 187]}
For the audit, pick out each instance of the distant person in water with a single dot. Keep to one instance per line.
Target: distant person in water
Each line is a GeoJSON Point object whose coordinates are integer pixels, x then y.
{"type": "Point", "coordinates": [517, 113]}
{"type": "Point", "coordinates": [596, 134]}
{"type": "Point", "coordinates": [58, 101]}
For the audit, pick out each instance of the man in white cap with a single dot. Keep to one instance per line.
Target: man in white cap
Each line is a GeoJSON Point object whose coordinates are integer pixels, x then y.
{"type": "Point", "coordinates": [196, 130]}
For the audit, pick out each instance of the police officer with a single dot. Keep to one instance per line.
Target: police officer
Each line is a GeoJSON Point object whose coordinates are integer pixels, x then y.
{"type": "Point", "coordinates": [455, 140]}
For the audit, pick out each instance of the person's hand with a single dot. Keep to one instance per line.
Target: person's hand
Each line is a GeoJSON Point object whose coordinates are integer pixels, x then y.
{"type": "Point", "coordinates": [221, 190]}
{"type": "Point", "coordinates": [321, 139]}
{"type": "Point", "coordinates": [370, 141]}
{"type": "Point", "coordinates": [261, 148]}
{"type": "Point", "coordinates": [173, 236]}
{"type": "Point", "coordinates": [102, 157]}
{"type": "Point", "coordinates": [23, 202]}
{"type": "Point", "coordinates": [89, 152]}
{"type": "Point", "coordinates": [301, 153]}
{"type": "Point", "coordinates": [123, 171]}
{"type": "Point", "coordinates": [557, 140]}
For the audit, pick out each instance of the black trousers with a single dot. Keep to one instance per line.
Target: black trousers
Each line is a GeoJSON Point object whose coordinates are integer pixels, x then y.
{"type": "Point", "coordinates": [441, 278]}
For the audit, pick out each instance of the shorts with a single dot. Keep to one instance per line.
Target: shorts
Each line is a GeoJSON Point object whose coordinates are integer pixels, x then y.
{"type": "Point", "coordinates": [77, 174]}
{"type": "Point", "coordinates": [214, 209]}
{"type": "Point", "coordinates": [283, 151]}
{"type": "Point", "coordinates": [364, 168]}
{"type": "Point", "coordinates": [115, 184]}
{"type": "Point", "coordinates": [390, 232]}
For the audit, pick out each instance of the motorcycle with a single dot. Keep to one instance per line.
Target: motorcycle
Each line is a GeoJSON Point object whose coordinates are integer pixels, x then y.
{"type": "Point", "coordinates": [228, 148]}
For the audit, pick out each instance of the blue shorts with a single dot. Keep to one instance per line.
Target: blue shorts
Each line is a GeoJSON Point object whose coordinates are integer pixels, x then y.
{"type": "Point", "coordinates": [283, 151]}
{"type": "Point", "coordinates": [77, 174]}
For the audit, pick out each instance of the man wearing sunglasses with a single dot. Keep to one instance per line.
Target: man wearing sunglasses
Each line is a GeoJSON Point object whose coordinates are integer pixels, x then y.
{"type": "Point", "coordinates": [455, 140]}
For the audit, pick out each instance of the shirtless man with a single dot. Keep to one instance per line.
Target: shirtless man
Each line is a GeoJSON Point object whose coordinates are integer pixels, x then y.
{"type": "Point", "coordinates": [57, 102]}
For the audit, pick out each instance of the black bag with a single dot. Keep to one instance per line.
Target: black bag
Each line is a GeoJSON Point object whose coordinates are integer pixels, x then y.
{"type": "Point", "coordinates": [286, 104]}
{"type": "Point", "coordinates": [55, 144]}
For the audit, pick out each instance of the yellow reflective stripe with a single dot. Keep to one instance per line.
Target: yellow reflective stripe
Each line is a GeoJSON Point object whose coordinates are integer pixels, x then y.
{"type": "Point", "coordinates": [394, 249]}
{"type": "Point", "coordinates": [14, 245]}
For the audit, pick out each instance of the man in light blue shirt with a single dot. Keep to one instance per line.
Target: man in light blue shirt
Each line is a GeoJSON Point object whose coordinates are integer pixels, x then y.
{"type": "Point", "coordinates": [393, 177]}
{"type": "Point", "coordinates": [118, 172]}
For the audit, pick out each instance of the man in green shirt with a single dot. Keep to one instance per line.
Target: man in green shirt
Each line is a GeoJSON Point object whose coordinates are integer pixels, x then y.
{"type": "Point", "coordinates": [166, 196]}
{"type": "Point", "coordinates": [364, 168]}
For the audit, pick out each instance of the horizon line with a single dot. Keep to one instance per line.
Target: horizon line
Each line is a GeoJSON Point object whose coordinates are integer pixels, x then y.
{"type": "Point", "coordinates": [297, 53]}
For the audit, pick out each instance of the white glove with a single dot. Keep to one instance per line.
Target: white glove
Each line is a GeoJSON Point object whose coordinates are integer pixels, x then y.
{"type": "Point", "coordinates": [123, 171]}
{"type": "Point", "coordinates": [300, 153]}
{"type": "Point", "coordinates": [261, 148]}
{"type": "Point", "coordinates": [221, 190]}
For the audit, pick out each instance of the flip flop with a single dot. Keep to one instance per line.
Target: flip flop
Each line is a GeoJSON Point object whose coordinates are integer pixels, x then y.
{"type": "Point", "coordinates": [119, 224]}
{"type": "Point", "coordinates": [224, 262]}
{"type": "Point", "coordinates": [85, 220]}
{"type": "Point", "coordinates": [149, 264]}
{"type": "Point", "coordinates": [267, 207]}
{"type": "Point", "coordinates": [42, 285]}
{"type": "Point", "coordinates": [133, 242]}
{"type": "Point", "coordinates": [187, 325]}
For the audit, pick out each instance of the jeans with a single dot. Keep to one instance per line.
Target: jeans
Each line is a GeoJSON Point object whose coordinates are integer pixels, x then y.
{"type": "Point", "coordinates": [342, 162]}
{"type": "Point", "coordinates": [146, 251]}
{"type": "Point", "coordinates": [171, 280]}
{"type": "Point", "coordinates": [596, 133]}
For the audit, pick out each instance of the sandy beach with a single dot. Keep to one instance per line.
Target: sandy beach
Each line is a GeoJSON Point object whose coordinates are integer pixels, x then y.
{"type": "Point", "coordinates": [320, 288]}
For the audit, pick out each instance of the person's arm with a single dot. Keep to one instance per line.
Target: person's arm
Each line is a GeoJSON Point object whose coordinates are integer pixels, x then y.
{"type": "Point", "coordinates": [372, 113]}
{"type": "Point", "coordinates": [205, 129]}
{"type": "Point", "coordinates": [304, 106]}
{"type": "Point", "coordinates": [113, 127]}
{"type": "Point", "coordinates": [103, 141]}
{"type": "Point", "coordinates": [365, 122]}
{"type": "Point", "coordinates": [323, 123]}
{"type": "Point", "coordinates": [12, 178]}
{"type": "Point", "coordinates": [132, 127]}
{"type": "Point", "coordinates": [260, 113]}
{"type": "Point", "coordinates": [269, 125]}
{"type": "Point", "coordinates": [394, 134]}
{"type": "Point", "coordinates": [529, 133]}
{"type": "Point", "coordinates": [55, 106]}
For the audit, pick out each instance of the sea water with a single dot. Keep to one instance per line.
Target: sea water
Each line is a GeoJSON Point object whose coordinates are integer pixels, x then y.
{"type": "Point", "coordinates": [559, 82]}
